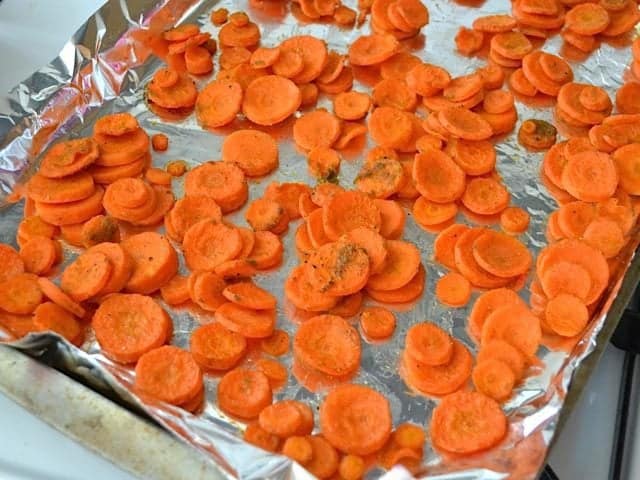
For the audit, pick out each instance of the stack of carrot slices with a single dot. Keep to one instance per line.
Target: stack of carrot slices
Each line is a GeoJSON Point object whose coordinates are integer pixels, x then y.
{"type": "Point", "coordinates": [582, 105]}
{"type": "Point", "coordinates": [401, 18]}
{"type": "Point", "coordinates": [190, 49]}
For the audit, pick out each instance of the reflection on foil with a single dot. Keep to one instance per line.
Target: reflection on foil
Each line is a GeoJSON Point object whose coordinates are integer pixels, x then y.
{"type": "Point", "coordinates": [103, 69]}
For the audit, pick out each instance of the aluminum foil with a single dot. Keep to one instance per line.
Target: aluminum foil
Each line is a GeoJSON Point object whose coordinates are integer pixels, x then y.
{"type": "Point", "coordinates": [104, 68]}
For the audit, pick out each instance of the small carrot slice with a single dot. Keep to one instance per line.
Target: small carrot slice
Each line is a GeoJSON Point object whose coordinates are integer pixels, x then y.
{"type": "Point", "coordinates": [373, 243]}
{"type": "Point", "coordinates": [440, 379]}
{"type": "Point", "coordinates": [485, 196]}
{"type": "Point", "coordinates": [86, 276]}
{"type": "Point", "coordinates": [270, 99]}
{"type": "Point", "coordinates": [215, 348]}
{"type": "Point", "coordinates": [626, 162]}
{"type": "Point", "coordinates": [327, 343]}
{"type": "Point", "coordinates": [39, 254]}
{"type": "Point", "coordinates": [494, 379]}
{"type": "Point", "coordinates": [207, 244]}
{"type": "Point", "coordinates": [277, 344]}
{"type": "Point", "coordinates": [514, 220]}
{"type": "Point", "coordinates": [70, 188]}
{"type": "Point", "coordinates": [57, 296]}
{"type": "Point", "coordinates": [247, 322]}
{"type": "Point", "coordinates": [407, 293]}
{"type": "Point", "coordinates": [468, 41]}
{"type": "Point", "coordinates": [20, 294]}
{"type": "Point", "coordinates": [50, 317]}
{"type": "Point", "coordinates": [249, 295]}
{"type": "Point", "coordinates": [267, 251]}
{"type": "Point", "coordinates": [129, 325]}
{"type": "Point", "coordinates": [628, 98]}
{"type": "Point", "coordinates": [155, 262]}
{"type": "Point", "coordinates": [402, 264]}
{"type": "Point", "coordinates": [444, 244]}
{"type": "Point", "coordinates": [392, 217]}
{"type": "Point", "coordinates": [427, 80]}
{"type": "Point", "coordinates": [485, 426]}
{"type": "Point", "coordinates": [338, 268]}
{"type": "Point", "coordinates": [390, 127]}
{"type": "Point", "coordinates": [566, 315]}
{"type": "Point", "coordinates": [323, 163]}
{"type": "Point", "coordinates": [244, 393]}
{"type": "Point", "coordinates": [453, 290]}
{"type": "Point", "coordinates": [255, 435]}
{"type": "Point", "coordinates": [586, 19]}
{"type": "Point", "coordinates": [495, 23]}
{"type": "Point", "coordinates": [282, 419]}
{"type": "Point", "coordinates": [377, 323]}
{"type": "Point", "coordinates": [300, 293]}
{"type": "Point", "coordinates": [122, 266]}
{"type": "Point", "coordinates": [606, 235]}
{"type": "Point", "coordinates": [160, 142]}
{"type": "Point", "coordinates": [264, 214]}
{"type": "Point", "coordinates": [298, 449]}
{"type": "Point", "coordinates": [467, 264]}
{"type": "Point", "coordinates": [429, 344]}
{"type": "Point", "coordinates": [176, 290]}
{"type": "Point", "coordinates": [324, 460]}
{"type": "Point", "coordinates": [380, 178]}
{"type": "Point", "coordinates": [101, 228]}
{"type": "Point", "coordinates": [537, 134]}
{"type": "Point", "coordinates": [431, 213]}
{"type": "Point", "coordinates": [72, 212]}
{"type": "Point", "coordinates": [351, 105]}
{"type": "Point", "coordinates": [356, 419]}
{"type": "Point", "coordinates": [275, 372]}
{"type": "Point", "coordinates": [190, 210]}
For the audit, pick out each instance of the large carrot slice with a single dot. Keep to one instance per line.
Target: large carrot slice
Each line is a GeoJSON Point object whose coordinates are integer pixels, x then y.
{"type": "Point", "coordinates": [122, 266]}
{"type": "Point", "coordinates": [438, 178]}
{"type": "Point", "coordinates": [222, 181]}
{"type": "Point", "coordinates": [485, 196]}
{"type": "Point", "coordinates": [348, 210]}
{"type": "Point", "coordinates": [86, 276]}
{"type": "Point", "coordinates": [67, 158]}
{"type": "Point", "coordinates": [453, 290]}
{"type": "Point", "coordinates": [270, 99]}
{"type": "Point", "coordinates": [338, 268]}
{"type": "Point", "coordinates": [469, 267]}
{"type": "Point", "coordinates": [494, 378]}
{"type": "Point", "coordinates": [590, 176]}
{"type": "Point", "coordinates": [485, 424]}
{"type": "Point", "coordinates": [60, 190]}
{"type": "Point", "coordinates": [255, 152]}
{"type": "Point", "coordinates": [372, 49]}
{"type": "Point", "coordinates": [324, 459]}
{"type": "Point", "coordinates": [402, 264]}
{"type": "Point", "coordinates": [155, 262]}
{"type": "Point", "coordinates": [267, 251]}
{"type": "Point", "coordinates": [501, 254]}
{"type": "Point", "coordinates": [244, 393]}
{"type": "Point", "coordinates": [72, 212]}
{"type": "Point", "coordinates": [207, 244]}
{"type": "Point", "coordinates": [327, 343]}
{"type": "Point", "coordinates": [129, 325]}
{"type": "Point", "coordinates": [439, 379]}
{"type": "Point", "coordinates": [516, 325]}
{"type": "Point", "coordinates": [505, 353]}
{"type": "Point", "coordinates": [486, 304]}
{"type": "Point", "coordinates": [215, 348]}
{"type": "Point", "coordinates": [51, 317]}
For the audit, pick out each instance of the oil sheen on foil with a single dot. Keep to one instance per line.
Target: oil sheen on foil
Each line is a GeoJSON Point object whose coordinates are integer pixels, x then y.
{"type": "Point", "coordinates": [103, 69]}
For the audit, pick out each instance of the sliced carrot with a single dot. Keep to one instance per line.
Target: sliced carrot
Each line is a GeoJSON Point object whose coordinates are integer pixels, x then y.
{"type": "Point", "coordinates": [494, 378]}
{"type": "Point", "coordinates": [270, 99]}
{"type": "Point", "coordinates": [628, 98]}
{"type": "Point", "coordinates": [264, 57]}
{"type": "Point", "coordinates": [372, 49]}
{"type": "Point", "coordinates": [374, 245]}
{"type": "Point", "coordinates": [39, 254]}
{"type": "Point", "coordinates": [233, 56]}
{"type": "Point", "coordinates": [20, 294]}
{"type": "Point", "coordinates": [314, 54]}
{"type": "Point", "coordinates": [464, 124]}
{"type": "Point", "coordinates": [275, 372]}
{"type": "Point", "coordinates": [327, 343]}
{"type": "Point", "coordinates": [520, 84]}
{"type": "Point", "coordinates": [282, 419]}
{"type": "Point", "coordinates": [298, 449]}
{"type": "Point", "coordinates": [101, 228]}
{"type": "Point", "coordinates": [392, 216]}
{"type": "Point", "coordinates": [453, 290]}
{"type": "Point", "coordinates": [516, 325]}
{"type": "Point", "coordinates": [70, 188]}
{"type": "Point", "coordinates": [218, 103]}
{"type": "Point", "coordinates": [438, 178]}
{"type": "Point", "coordinates": [514, 220]}
{"type": "Point", "coordinates": [267, 215]}
{"type": "Point", "coordinates": [205, 289]}
{"type": "Point", "coordinates": [498, 101]}
{"type": "Point", "coordinates": [338, 268]}
{"type": "Point", "coordinates": [512, 45]}
{"type": "Point", "coordinates": [377, 323]}
{"type": "Point", "coordinates": [107, 175]}
{"type": "Point", "coordinates": [348, 306]}
{"type": "Point", "coordinates": [570, 101]}
{"type": "Point", "coordinates": [468, 41]}
{"type": "Point", "coordinates": [505, 353]}
{"type": "Point", "coordinates": [351, 105]}
{"type": "Point", "coordinates": [11, 262]}
{"type": "Point", "coordinates": [501, 255]}
{"type": "Point", "coordinates": [127, 326]}
{"type": "Point", "coordinates": [574, 217]}
{"type": "Point", "coordinates": [356, 419]}
{"type": "Point", "coordinates": [155, 262]}
{"type": "Point", "coordinates": [626, 162]}
{"type": "Point", "coordinates": [247, 322]}
{"type": "Point", "coordinates": [244, 393]}
{"type": "Point", "coordinates": [86, 276]}
{"type": "Point", "coordinates": [69, 157]}
{"type": "Point", "coordinates": [501, 122]}
{"type": "Point", "coordinates": [324, 460]}
{"type": "Point", "coordinates": [207, 244]}
{"type": "Point", "coordinates": [485, 196]}
{"type": "Point", "coordinates": [390, 127]}
{"type": "Point", "coordinates": [267, 251]}
{"type": "Point", "coordinates": [176, 290]}
{"type": "Point", "coordinates": [590, 176]}
{"type": "Point", "coordinates": [587, 19]}
{"type": "Point", "coordinates": [122, 266]}
{"type": "Point", "coordinates": [467, 264]}
{"type": "Point", "coordinates": [348, 210]}
{"type": "Point", "coordinates": [323, 163]}
{"type": "Point", "coordinates": [429, 344]}
{"type": "Point", "coordinates": [160, 142]}
{"type": "Point", "coordinates": [492, 76]}
{"type": "Point", "coordinates": [255, 435]}
{"type": "Point", "coordinates": [316, 129]}
{"type": "Point", "coordinates": [57, 296]}
{"type": "Point", "coordinates": [566, 315]}
{"type": "Point", "coordinates": [537, 134]}
{"type": "Point", "coordinates": [430, 213]}
{"type": "Point", "coordinates": [606, 235]}
{"type": "Point", "coordinates": [352, 467]}
{"type": "Point", "coordinates": [495, 23]}
{"type": "Point", "coordinates": [402, 264]}
{"type": "Point", "coordinates": [427, 80]}
{"type": "Point", "coordinates": [249, 295]}
{"type": "Point", "coordinates": [444, 245]}
{"type": "Point", "coordinates": [277, 344]}
{"type": "Point", "coordinates": [439, 379]}
{"type": "Point", "coordinates": [485, 425]}
{"type": "Point", "coordinates": [50, 317]}
{"type": "Point", "coordinates": [72, 212]}
{"type": "Point", "coordinates": [29, 226]}
{"type": "Point", "coordinates": [287, 195]}
{"type": "Point", "coordinates": [406, 293]}
{"type": "Point", "coordinates": [169, 89]}
{"type": "Point", "coordinates": [190, 210]}
{"type": "Point", "coordinates": [215, 348]}
{"type": "Point", "coordinates": [380, 178]}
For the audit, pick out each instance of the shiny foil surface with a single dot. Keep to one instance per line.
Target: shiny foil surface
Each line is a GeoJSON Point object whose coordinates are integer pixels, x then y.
{"type": "Point", "coordinates": [104, 68]}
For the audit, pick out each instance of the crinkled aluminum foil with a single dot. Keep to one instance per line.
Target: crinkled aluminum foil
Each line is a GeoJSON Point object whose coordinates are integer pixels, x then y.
{"type": "Point", "coordinates": [104, 68]}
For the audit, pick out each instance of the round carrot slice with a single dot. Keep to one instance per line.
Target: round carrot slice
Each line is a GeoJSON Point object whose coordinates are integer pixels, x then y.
{"type": "Point", "coordinates": [57, 296]}
{"type": "Point", "coordinates": [324, 459]}
{"type": "Point", "coordinates": [51, 317]}
{"type": "Point", "coordinates": [176, 290]}
{"type": "Point", "coordinates": [348, 210]}
{"type": "Point", "coordinates": [468, 41]}
{"type": "Point", "coordinates": [99, 229]}
{"type": "Point", "coordinates": [427, 80]}
{"type": "Point", "coordinates": [569, 102]}
{"type": "Point", "coordinates": [494, 378]}
{"type": "Point", "coordinates": [429, 344]}
{"type": "Point", "coordinates": [516, 325]}
{"type": "Point", "coordinates": [501, 254]}
{"type": "Point", "coordinates": [390, 127]}
{"type": "Point", "coordinates": [207, 244]}
{"type": "Point", "coordinates": [129, 325]}
{"type": "Point", "coordinates": [430, 213]}
{"type": "Point", "coordinates": [407, 293]}
{"type": "Point", "coordinates": [438, 178]}
{"type": "Point", "coordinates": [215, 348]}
{"type": "Point", "coordinates": [485, 196]}
{"type": "Point", "coordinates": [380, 178]}
{"type": "Point", "coordinates": [155, 261]}
{"type": "Point", "coordinates": [606, 235]}
{"type": "Point", "coordinates": [300, 293]}
{"type": "Point", "coordinates": [244, 393]}
{"type": "Point", "coordinates": [168, 374]}
{"type": "Point", "coordinates": [218, 103]}
{"type": "Point", "coordinates": [39, 254]}
{"type": "Point", "coordinates": [566, 277]}
{"type": "Point", "coordinates": [314, 55]}
{"type": "Point", "coordinates": [377, 323]}
{"type": "Point", "coordinates": [69, 157]}
{"type": "Point", "coordinates": [495, 23]}
{"type": "Point", "coordinates": [72, 212]}
{"type": "Point", "coordinates": [205, 289]}
{"type": "Point", "coordinates": [537, 134]}
{"type": "Point", "coordinates": [439, 379]}
{"type": "Point", "coordinates": [271, 99]}
{"type": "Point", "coordinates": [351, 105]}
{"type": "Point", "coordinates": [453, 290]}
{"type": "Point", "coordinates": [255, 152]}
{"type": "Point", "coordinates": [628, 98]}
{"type": "Point", "coordinates": [255, 435]}
{"type": "Point", "coordinates": [338, 268]}
{"type": "Point", "coordinates": [467, 264]}
{"type": "Point", "coordinates": [464, 123]}
{"type": "Point", "coordinates": [373, 243]}
{"type": "Point", "coordinates": [249, 295]}
{"type": "Point", "coordinates": [222, 181]}
{"type": "Point", "coordinates": [512, 45]}
{"type": "Point", "coordinates": [247, 322]}
{"type": "Point", "coordinates": [190, 210]}
{"type": "Point", "coordinates": [352, 467]}
{"type": "Point", "coordinates": [324, 164]}
{"type": "Point", "coordinates": [316, 129]}
{"type": "Point", "coordinates": [20, 294]}
{"type": "Point", "coordinates": [372, 49]}
{"type": "Point", "coordinates": [282, 419]}
{"type": "Point", "coordinates": [327, 343]}
{"type": "Point", "coordinates": [277, 344]}
{"type": "Point", "coordinates": [566, 315]}
{"type": "Point", "coordinates": [488, 302]}
{"type": "Point", "coordinates": [60, 190]}
{"type": "Point", "coordinates": [122, 266]}
{"type": "Point", "coordinates": [590, 176]}
{"type": "Point", "coordinates": [514, 220]}
{"type": "Point", "coordinates": [356, 419]}
{"type": "Point", "coordinates": [627, 162]}
{"type": "Point", "coordinates": [11, 264]}
{"type": "Point", "coordinates": [444, 244]}
{"type": "Point", "coordinates": [587, 19]}
{"type": "Point", "coordinates": [402, 264]}
{"type": "Point", "coordinates": [462, 88]}
{"type": "Point", "coordinates": [501, 351]}
{"type": "Point", "coordinates": [266, 252]}
{"type": "Point", "coordinates": [485, 424]}
{"type": "Point", "coordinates": [86, 276]}
{"type": "Point", "coordinates": [492, 76]}
{"type": "Point", "coordinates": [498, 101]}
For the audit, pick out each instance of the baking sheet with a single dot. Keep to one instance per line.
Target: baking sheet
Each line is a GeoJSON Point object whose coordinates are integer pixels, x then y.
{"type": "Point", "coordinates": [104, 68]}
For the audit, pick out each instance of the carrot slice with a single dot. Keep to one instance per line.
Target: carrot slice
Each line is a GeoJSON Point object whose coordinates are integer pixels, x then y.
{"type": "Point", "coordinates": [327, 343]}
{"type": "Point", "coordinates": [390, 127]}
{"type": "Point", "coordinates": [316, 129]}
{"type": "Point", "coordinates": [590, 176]}
{"type": "Point", "coordinates": [494, 378]}
{"type": "Point", "coordinates": [264, 214]}
{"type": "Point", "coordinates": [606, 235]}
{"type": "Point", "coordinates": [266, 252]}
{"type": "Point", "coordinates": [222, 181]}
{"type": "Point", "coordinates": [352, 467]}
{"type": "Point", "coordinates": [492, 76]}
{"type": "Point", "coordinates": [438, 178]}
{"type": "Point", "coordinates": [86, 276]}
{"type": "Point", "coordinates": [57, 296]}
{"type": "Point", "coordinates": [537, 134]}
{"type": "Point", "coordinates": [356, 419]}
{"type": "Point", "coordinates": [190, 210]}
{"type": "Point", "coordinates": [298, 449]}
{"type": "Point", "coordinates": [39, 254]}
{"type": "Point", "coordinates": [348, 210]}
{"type": "Point", "coordinates": [439, 379]}
{"type": "Point", "coordinates": [374, 245]}
{"type": "Point", "coordinates": [176, 290]}
{"type": "Point", "coordinates": [122, 266]}
{"type": "Point", "coordinates": [247, 322]}
{"type": "Point", "coordinates": [348, 306]}
{"type": "Point", "coordinates": [485, 425]}
{"type": "Point", "coordinates": [628, 98]}
{"type": "Point", "coordinates": [205, 289]}
{"type": "Point", "coordinates": [255, 152]}
{"type": "Point", "coordinates": [249, 295]}
{"type": "Point", "coordinates": [503, 352]}
{"type": "Point", "coordinates": [101, 228]}
{"type": "Point", "coordinates": [587, 19]}
{"type": "Point", "coordinates": [155, 262]}
{"type": "Point", "coordinates": [324, 460]}
{"type": "Point", "coordinates": [314, 54]}
{"type": "Point", "coordinates": [402, 264]}
{"type": "Point", "coordinates": [372, 49]}
{"type": "Point", "coordinates": [277, 344]}
{"type": "Point", "coordinates": [10, 261]}
{"type": "Point", "coordinates": [215, 348]}
{"type": "Point", "coordinates": [69, 157]}
{"type": "Point", "coordinates": [444, 245]}
{"type": "Point", "coordinates": [427, 80]}
{"type": "Point", "coordinates": [514, 220]}
{"type": "Point", "coordinates": [488, 302]}
{"type": "Point", "coordinates": [468, 41]}
{"type": "Point", "coordinates": [392, 216]}
{"type": "Point", "coordinates": [485, 196]}
{"type": "Point", "coordinates": [464, 123]}
{"type": "Point", "coordinates": [218, 103]}
{"type": "Point", "coordinates": [519, 83]}
{"type": "Point", "coordinates": [406, 293]}
{"type": "Point", "coordinates": [270, 99]}
{"type": "Point", "coordinates": [512, 45]}
{"type": "Point", "coordinates": [495, 23]}
{"type": "Point", "coordinates": [430, 213]}
{"type": "Point", "coordinates": [282, 419]}
{"type": "Point", "coordinates": [501, 254]}
{"type": "Point", "coordinates": [323, 163]}
{"type": "Point", "coordinates": [70, 188]}
{"type": "Point", "coordinates": [380, 178]}
{"type": "Point", "coordinates": [429, 344]}
{"type": "Point", "coordinates": [50, 317]}
{"type": "Point", "coordinates": [467, 264]}
{"type": "Point", "coordinates": [338, 268]}
{"type": "Point", "coordinates": [377, 323]}
{"type": "Point", "coordinates": [127, 326]}
{"type": "Point", "coordinates": [351, 105]}
{"type": "Point", "coordinates": [453, 290]}
{"type": "Point", "coordinates": [626, 162]}
{"type": "Point", "coordinates": [255, 435]}
{"type": "Point", "coordinates": [566, 315]}
{"type": "Point", "coordinates": [20, 294]}
{"type": "Point", "coordinates": [516, 325]}
{"type": "Point", "coordinates": [72, 212]}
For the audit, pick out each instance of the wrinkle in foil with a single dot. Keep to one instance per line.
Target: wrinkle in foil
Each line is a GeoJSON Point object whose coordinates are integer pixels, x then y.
{"type": "Point", "coordinates": [104, 68]}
